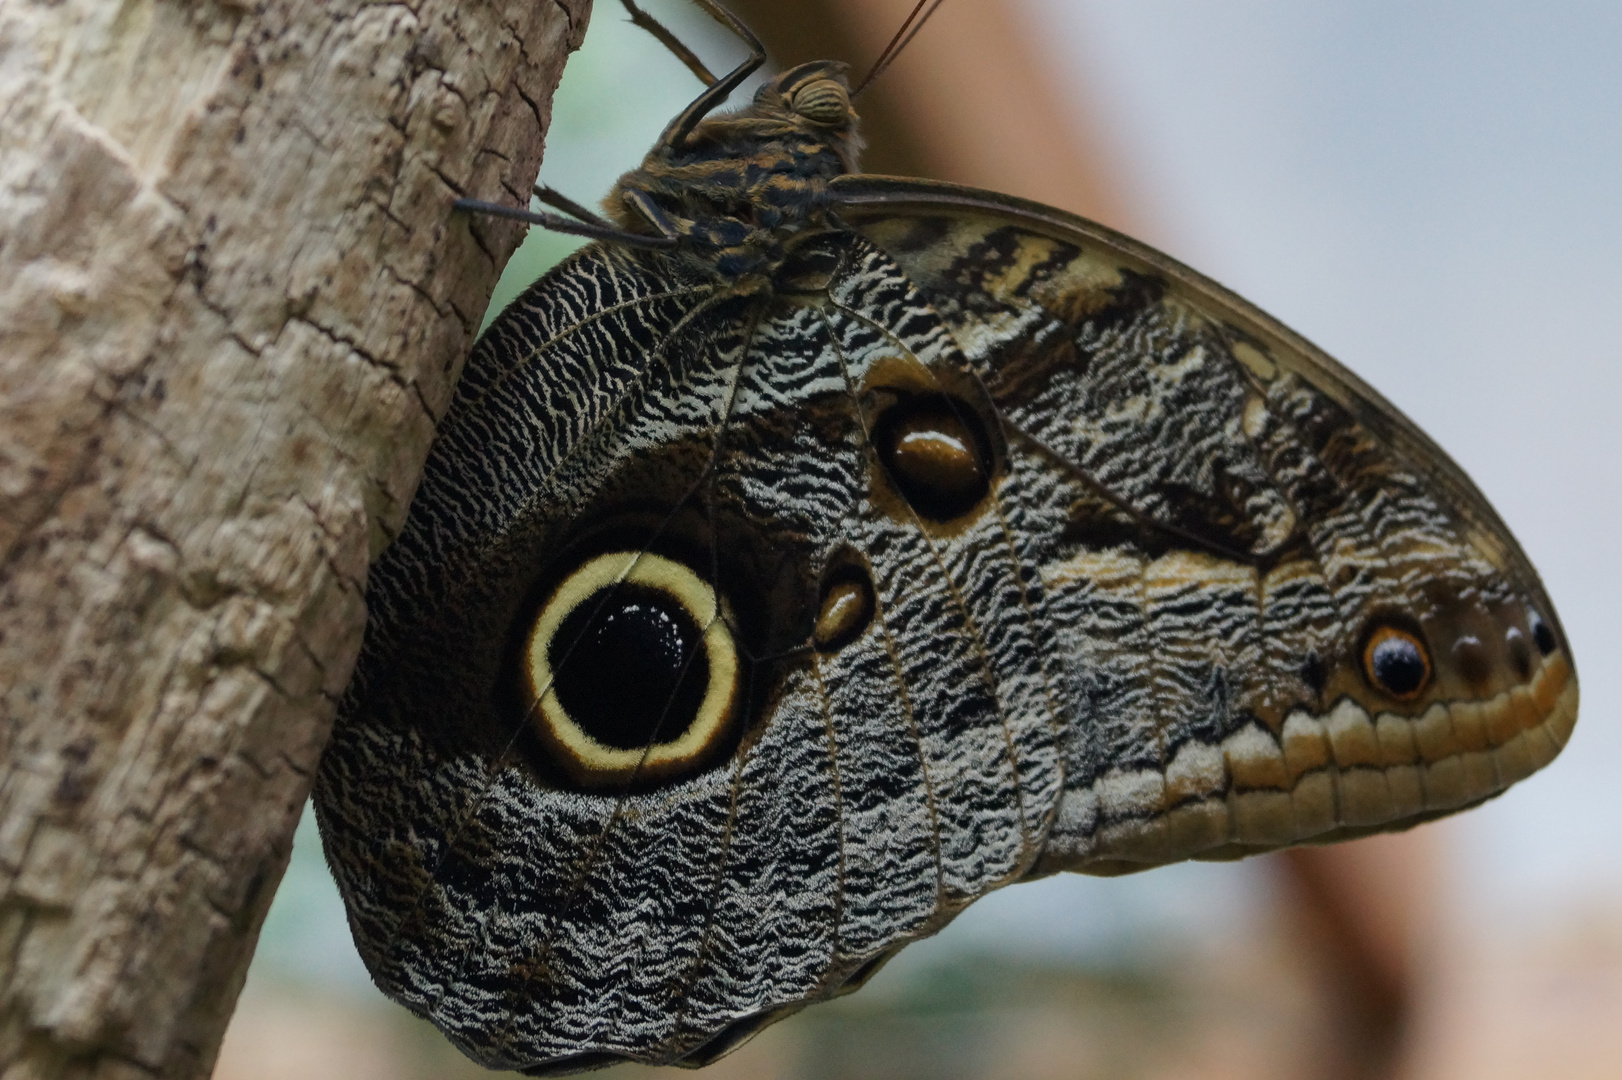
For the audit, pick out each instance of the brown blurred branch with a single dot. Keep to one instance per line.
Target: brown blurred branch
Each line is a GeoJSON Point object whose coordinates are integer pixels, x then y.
{"type": "Point", "coordinates": [232, 300]}
{"type": "Point", "coordinates": [1360, 909]}
{"type": "Point", "coordinates": [968, 101]}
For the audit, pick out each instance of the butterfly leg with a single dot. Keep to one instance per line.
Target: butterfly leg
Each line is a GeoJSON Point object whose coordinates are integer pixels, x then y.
{"type": "Point", "coordinates": [559, 223]}
{"type": "Point", "coordinates": [559, 201]}
{"type": "Point", "coordinates": [653, 26]}
{"type": "Point", "coordinates": [717, 90]}
{"type": "Point", "coordinates": [643, 204]}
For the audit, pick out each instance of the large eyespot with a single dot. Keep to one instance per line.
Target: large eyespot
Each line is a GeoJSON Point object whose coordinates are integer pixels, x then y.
{"type": "Point", "coordinates": [629, 672]}
{"type": "Point", "coordinates": [935, 450]}
{"type": "Point", "coordinates": [822, 101]}
{"type": "Point", "coordinates": [1396, 662]}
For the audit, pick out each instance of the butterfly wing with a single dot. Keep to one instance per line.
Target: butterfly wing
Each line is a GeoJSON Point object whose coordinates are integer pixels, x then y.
{"type": "Point", "coordinates": [874, 780]}
{"type": "Point", "coordinates": [1244, 521]}
{"type": "Point", "coordinates": [997, 544]}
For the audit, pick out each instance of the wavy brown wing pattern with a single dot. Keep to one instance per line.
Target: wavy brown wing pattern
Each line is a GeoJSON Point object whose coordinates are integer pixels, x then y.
{"type": "Point", "coordinates": [985, 544]}
{"type": "Point", "coordinates": [1246, 522]}
{"type": "Point", "coordinates": [1228, 703]}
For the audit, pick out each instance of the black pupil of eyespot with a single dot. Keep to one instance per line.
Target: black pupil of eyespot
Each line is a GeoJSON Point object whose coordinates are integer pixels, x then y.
{"type": "Point", "coordinates": [630, 667]}
{"type": "Point", "coordinates": [1398, 665]}
{"type": "Point", "coordinates": [1542, 635]}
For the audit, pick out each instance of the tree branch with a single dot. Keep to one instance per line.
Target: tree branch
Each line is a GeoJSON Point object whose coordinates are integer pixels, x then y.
{"type": "Point", "coordinates": [233, 301]}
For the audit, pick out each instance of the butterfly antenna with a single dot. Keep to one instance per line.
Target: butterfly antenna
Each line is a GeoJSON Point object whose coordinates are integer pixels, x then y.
{"type": "Point", "coordinates": [653, 26]}
{"type": "Point", "coordinates": [903, 38]}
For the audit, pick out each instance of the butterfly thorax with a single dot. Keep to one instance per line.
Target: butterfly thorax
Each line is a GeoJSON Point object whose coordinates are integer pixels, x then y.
{"type": "Point", "coordinates": [741, 185]}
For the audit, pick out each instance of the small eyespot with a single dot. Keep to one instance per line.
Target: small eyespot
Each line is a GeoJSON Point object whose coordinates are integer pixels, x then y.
{"type": "Point", "coordinates": [1313, 673]}
{"type": "Point", "coordinates": [1541, 634]}
{"type": "Point", "coordinates": [629, 673]}
{"type": "Point", "coordinates": [934, 449]}
{"type": "Point", "coordinates": [1395, 662]}
{"type": "Point", "coordinates": [845, 610]}
{"type": "Point", "coordinates": [1520, 654]}
{"type": "Point", "coordinates": [1471, 660]}
{"type": "Point", "coordinates": [823, 101]}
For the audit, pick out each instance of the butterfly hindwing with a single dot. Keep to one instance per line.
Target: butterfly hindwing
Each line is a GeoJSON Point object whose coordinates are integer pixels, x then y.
{"type": "Point", "coordinates": [535, 921]}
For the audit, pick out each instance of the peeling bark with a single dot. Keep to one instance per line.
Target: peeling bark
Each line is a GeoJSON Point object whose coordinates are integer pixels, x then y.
{"type": "Point", "coordinates": [233, 300]}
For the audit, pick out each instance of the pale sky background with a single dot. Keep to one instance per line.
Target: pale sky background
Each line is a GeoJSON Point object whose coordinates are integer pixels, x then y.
{"type": "Point", "coordinates": [1432, 191]}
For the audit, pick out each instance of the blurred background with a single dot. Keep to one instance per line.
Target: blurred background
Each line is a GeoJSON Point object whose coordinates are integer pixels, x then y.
{"type": "Point", "coordinates": [1430, 190]}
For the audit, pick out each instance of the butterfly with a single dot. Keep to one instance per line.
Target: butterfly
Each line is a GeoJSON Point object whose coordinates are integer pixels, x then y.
{"type": "Point", "coordinates": [817, 552]}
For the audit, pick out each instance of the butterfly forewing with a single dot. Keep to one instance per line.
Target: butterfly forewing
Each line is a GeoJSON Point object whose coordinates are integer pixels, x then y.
{"type": "Point", "coordinates": [1242, 516]}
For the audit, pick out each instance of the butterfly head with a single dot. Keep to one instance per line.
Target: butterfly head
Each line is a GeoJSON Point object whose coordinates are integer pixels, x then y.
{"type": "Point", "coordinates": [741, 185]}
{"type": "Point", "coordinates": [815, 99]}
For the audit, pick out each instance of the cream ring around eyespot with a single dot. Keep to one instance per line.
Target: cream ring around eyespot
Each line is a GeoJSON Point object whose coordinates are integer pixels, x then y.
{"type": "Point", "coordinates": [586, 758]}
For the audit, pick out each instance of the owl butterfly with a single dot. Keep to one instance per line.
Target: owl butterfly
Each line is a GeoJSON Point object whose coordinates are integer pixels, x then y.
{"type": "Point", "coordinates": [818, 552]}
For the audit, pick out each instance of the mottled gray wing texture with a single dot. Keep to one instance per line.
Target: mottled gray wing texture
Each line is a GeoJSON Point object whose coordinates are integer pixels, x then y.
{"type": "Point", "coordinates": [1138, 619]}
{"type": "Point", "coordinates": [1245, 527]}
{"type": "Point", "coordinates": [878, 788]}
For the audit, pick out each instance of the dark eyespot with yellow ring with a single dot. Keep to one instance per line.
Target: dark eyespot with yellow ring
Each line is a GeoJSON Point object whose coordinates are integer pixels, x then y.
{"type": "Point", "coordinates": [822, 101]}
{"type": "Point", "coordinates": [629, 673]}
{"type": "Point", "coordinates": [1396, 662]}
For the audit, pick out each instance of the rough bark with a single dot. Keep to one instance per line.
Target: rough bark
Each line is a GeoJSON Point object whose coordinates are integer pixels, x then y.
{"type": "Point", "coordinates": [233, 300]}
